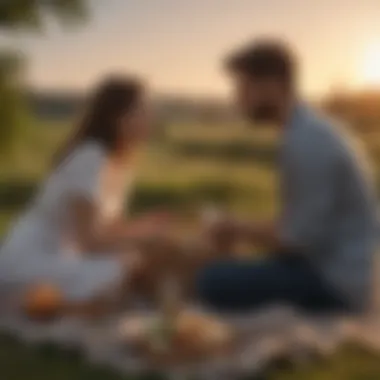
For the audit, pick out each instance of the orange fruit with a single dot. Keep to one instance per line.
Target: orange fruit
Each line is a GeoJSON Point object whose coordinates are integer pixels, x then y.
{"type": "Point", "coordinates": [43, 302]}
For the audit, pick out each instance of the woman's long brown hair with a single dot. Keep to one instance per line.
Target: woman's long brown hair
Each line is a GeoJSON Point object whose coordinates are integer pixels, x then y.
{"type": "Point", "coordinates": [112, 99]}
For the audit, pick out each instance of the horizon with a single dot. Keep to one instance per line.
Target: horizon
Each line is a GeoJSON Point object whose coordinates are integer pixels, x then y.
{"type": "Point", "coordinates": [82, 93]}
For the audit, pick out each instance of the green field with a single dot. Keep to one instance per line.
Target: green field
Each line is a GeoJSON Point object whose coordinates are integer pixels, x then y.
{"type": "Point", "coordinates": [185, 168]}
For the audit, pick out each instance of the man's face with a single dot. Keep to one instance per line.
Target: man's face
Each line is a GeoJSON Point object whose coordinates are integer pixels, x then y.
{"type": "Point", "coordinates": [260, 100]}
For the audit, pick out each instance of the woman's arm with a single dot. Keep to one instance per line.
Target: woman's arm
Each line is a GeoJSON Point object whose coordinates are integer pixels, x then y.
{"type": "Point", "coordinates": [86, 230]}
{"type": "Point", "coordinates": [91, 235]}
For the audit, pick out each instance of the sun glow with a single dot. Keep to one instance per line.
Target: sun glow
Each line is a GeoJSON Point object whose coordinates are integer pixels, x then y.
{"type": "Point", "coordinates": [370, 68]}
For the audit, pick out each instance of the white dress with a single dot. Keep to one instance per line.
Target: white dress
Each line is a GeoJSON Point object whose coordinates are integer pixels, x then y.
{"type": "Point", "coordinates": [39, 247]}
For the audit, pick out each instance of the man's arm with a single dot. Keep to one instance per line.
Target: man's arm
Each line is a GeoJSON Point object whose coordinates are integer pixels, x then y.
{"type": "Point", "coordinates": [308, 189]}
{"type": "Point", "coordinates": [311, 174]}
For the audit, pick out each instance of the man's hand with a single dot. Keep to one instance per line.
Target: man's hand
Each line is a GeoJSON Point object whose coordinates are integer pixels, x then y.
{"type": "Point", "coordinates": [224, 234]}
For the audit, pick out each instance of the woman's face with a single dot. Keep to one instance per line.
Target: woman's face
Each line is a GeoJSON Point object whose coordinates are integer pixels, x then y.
{"type": "Point", "coordinates": [136, 123]}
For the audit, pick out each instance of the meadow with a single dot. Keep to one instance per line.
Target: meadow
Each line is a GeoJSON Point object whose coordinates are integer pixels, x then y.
{"type": "Point", "coordinates": [185, 167]}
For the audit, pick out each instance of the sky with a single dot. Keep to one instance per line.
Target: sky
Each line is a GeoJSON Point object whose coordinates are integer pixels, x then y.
{"type": "Point", "coordinates": [178, 45]}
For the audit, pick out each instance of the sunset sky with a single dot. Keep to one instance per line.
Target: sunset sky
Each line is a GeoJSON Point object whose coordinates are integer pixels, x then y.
{"type": "Point", "coordinates": [178, 44]}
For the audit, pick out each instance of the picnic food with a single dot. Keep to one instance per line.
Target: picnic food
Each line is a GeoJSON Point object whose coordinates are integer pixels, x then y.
{"type": "Point", "coordinates": [201, 334]}
{"type": "Point", "coordinates": [43, 301]}
{"type": "Point", "coordinates": [190, 336]}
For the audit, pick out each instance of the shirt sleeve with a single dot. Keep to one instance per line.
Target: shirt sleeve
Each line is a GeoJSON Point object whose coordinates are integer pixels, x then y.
{"type": "Point", "coordinates": [309, 191]}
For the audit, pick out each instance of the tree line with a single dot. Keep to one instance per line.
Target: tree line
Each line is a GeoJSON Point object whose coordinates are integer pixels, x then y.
{"type": "Point", "coordinates": [25, 16]}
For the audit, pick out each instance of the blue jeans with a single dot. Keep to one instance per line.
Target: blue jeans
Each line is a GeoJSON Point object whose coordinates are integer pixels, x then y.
{"type": "Point", "coordinates": [238, 286]}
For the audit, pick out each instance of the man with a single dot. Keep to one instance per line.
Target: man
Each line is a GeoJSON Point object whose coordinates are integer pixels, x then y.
{"type": "Point", "coordinates": [322, 244]}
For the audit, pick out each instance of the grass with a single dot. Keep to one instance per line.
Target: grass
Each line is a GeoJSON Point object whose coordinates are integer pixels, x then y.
{"type": "Point", "coordinates": [19, 361]}
{"type": "Point", "coordinates": [230, 165]}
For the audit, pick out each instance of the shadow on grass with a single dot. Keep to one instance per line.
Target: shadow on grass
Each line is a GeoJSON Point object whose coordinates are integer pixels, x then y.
{"type": "Point", "coordinates": [47, 361]}
{"type": "Point", "coordinates": [178, 198]}
{"type": "Point", "coordinates": [16, 194]}
{"type": "Point", "coordinates": [240, 151]}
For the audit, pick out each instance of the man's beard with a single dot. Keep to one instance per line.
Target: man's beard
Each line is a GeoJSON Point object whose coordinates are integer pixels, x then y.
{"type": "Point", "coordinates": [263, 114]}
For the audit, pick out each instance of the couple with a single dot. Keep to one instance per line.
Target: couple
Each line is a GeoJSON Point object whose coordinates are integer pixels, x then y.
{"type": "Point", "coordinates": [321, 247]}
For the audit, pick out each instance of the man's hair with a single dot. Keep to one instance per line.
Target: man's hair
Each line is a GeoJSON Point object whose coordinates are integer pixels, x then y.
{"type": "Point", "coordinates": [265, 59]}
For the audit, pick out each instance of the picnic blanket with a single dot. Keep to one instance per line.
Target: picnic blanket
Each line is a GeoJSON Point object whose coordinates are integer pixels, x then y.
{"type": "Point", "coordinates": [268, 334]}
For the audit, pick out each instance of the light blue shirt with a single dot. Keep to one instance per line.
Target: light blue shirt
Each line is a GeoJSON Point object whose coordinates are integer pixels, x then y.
{"type": "Point", "coordinates": [329, 205]}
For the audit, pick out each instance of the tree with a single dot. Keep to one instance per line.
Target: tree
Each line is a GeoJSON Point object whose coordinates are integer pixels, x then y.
{"type": "Point", "coordinates": [32, 14]}
{"type": "Point", "coordinates": [27, 16]}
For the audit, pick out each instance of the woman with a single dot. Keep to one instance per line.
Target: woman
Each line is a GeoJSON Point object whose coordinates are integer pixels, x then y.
{"type": "Point", "coordinates": [73, 233]}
